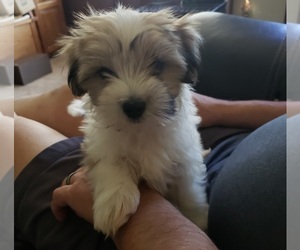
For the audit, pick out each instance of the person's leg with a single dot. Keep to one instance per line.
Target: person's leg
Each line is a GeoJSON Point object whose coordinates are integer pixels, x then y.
{"type": "Point", "coordinates": [6, 145]}
{"type": "Point", "coordinates": [48, 158]}
{"type": "Point", "coordinates": [7, 107]}
{"type": "Point", "coordinates": [31, 138]}
{"type": "Point", "coordinates": [6, 182]}
{"type": "Point", "coordinates": [293, 181]}
{"type": "Point", "coordinates": [6, 174]}
{"type": "Point", "coordinates": [51, 109]}
{"type": "Point", "coordinates": [248, 199]}
{"type": "Point", "coordinates": [35, 224]}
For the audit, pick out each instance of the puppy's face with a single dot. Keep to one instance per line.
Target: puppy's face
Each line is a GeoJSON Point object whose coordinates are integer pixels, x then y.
{"type": "Point", "coordinates": [131, 64]}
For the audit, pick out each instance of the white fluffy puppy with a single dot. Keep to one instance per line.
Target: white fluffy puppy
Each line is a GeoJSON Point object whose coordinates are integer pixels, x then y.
{"type": "Point", "coordinates": [140, 121]}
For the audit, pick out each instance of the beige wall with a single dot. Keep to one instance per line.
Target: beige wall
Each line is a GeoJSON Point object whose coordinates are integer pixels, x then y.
{"type": "Point", "coordinates": [271, 10]}
{"type": "Point", "coordinates": [293, 11]}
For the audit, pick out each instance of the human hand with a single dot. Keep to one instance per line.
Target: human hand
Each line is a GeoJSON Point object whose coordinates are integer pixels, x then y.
{"type": "Point", "coordinates": [77, 196]}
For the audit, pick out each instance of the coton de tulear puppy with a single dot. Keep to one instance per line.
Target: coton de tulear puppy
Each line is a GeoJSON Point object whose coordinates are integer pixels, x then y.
{"type": "Point", "coordinates": [140, 122]}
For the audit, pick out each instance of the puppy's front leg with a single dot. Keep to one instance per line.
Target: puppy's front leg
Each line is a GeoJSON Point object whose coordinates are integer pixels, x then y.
{"type": "Point", "coordinates": [190, 194]}
{"type": "Point", "coordinates": [116, 197]}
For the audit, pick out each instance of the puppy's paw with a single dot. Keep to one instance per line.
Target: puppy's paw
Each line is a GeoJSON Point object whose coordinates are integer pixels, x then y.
{"type": "Point", "coordinates": [112, 209]}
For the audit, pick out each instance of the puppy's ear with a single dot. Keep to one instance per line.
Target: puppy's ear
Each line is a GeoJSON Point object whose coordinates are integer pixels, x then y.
{"type": "Point", "coordinates": [191, 41]}
{"type": "Point", "coordinates": [73, 79]}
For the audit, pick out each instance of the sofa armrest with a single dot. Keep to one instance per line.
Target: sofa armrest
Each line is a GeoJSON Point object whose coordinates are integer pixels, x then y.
{"type": "Point", "coordinates": [242, 58]}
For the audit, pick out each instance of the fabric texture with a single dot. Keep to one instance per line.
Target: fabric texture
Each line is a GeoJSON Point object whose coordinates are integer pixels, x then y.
{"type": "Point", "coordinates": [248, 200]}
{"type": "Point", "coordinates": [6, 210]}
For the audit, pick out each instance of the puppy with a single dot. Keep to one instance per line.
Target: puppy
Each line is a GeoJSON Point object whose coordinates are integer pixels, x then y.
{"type": "Point", "coordinates": [139, 118]}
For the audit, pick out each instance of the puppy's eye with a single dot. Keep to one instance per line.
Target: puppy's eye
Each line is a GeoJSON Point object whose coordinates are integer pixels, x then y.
{"type": "Point", "coordinates": [157, 67]}
{"type": "Point", "coordinates": [105, 73]}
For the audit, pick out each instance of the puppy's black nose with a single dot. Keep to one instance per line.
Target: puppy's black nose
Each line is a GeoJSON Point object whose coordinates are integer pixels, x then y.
{"type": "Point", "coordinates": [134, 108]}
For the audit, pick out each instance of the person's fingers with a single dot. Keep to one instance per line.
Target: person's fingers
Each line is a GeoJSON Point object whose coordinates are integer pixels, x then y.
{"type": "Point", "coordinates": [59, 203]}
{"type": "Point", "coordinates": [82, 169]}
{"type": "Point", "coordinates": [77, 195]}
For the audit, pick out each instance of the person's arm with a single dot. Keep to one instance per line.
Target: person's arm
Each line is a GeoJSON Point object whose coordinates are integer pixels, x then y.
{"type": "Point", "coordinates": [293, 108]}
{"type": "Point", "coordinates": [237, 114]}
{"type": "Point", "coordinates": [155, 225]}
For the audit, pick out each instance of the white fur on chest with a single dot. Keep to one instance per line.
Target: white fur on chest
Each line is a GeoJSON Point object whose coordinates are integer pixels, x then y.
{"type": "Point", "coordinates": [167, 156]}
{"type": "Point", "coordinates": [156, 153]}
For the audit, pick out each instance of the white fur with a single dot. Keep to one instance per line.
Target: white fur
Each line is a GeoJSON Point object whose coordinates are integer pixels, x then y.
{"type": "Point", "coordinates": [163, 147]}
{"type": "Point", "coordinates": [76, 108]}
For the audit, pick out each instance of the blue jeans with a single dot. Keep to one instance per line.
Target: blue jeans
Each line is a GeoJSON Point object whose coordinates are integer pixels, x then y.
{"type": "Point", "coordinates": [248, 198]}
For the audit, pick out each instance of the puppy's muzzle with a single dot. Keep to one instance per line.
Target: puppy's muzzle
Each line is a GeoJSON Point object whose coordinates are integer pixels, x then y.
{"type": "Point", "coordinates": [134, 108]}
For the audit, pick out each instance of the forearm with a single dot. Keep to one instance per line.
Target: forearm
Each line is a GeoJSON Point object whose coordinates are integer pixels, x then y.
{"type": "Point", "coordinates": [158, 225]}
{"type": "Point", "coordinates": [293, 108]}
{"type": "Point", "coordinates": [248, 114]}
{"type": "Point", "coordinates": [155, 225]}
{"type": "Point", "coordinates": [237, 114]}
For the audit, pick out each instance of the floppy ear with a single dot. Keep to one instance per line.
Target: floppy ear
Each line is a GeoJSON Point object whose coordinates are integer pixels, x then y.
{"type": "Point", "coordinates": [191, 42]}
{"type": "Point", "coordinates": [73, 79]}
